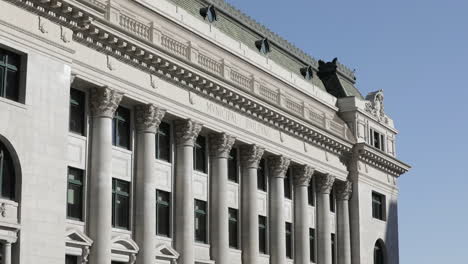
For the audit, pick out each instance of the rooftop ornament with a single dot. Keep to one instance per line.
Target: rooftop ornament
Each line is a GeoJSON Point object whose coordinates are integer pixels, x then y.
{"type": "Point", "coordinates": [307, 72]}
{"type": "Point", "coordinates": [209, 13]}
{"type": "Point", "coordinates": [263, 45]}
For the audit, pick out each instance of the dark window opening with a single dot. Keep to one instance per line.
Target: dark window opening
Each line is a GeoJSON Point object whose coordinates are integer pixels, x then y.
{"type": "Point", "coordinates": [263, 45]}
{"type": "Point", "coordinates": [163, 142]}
{"type": "Point", "coordinates": [262, 234]}
{"type": "Point", "coordinates": [261, 176]}
{"type": "Point", "coordinates": [10, 70]}
{"type": "Point", "coordinates": [209, 13]}
{"type": "Point", "coordinates": [379, 254]}
{"type": "Point", "coordinates": [75, 194]}
{"type": "Point", "coordinates": [7, 174]}
{"type": "Point", "coordinates": [71, 259]}
{"type": "Point", "coordinates": [378, 206]}
{"type": "Point", "coordinates": [377, 140]}
{"type": "Point", "coordinates": [77, 111]}
{"type": "Point", "coordinates": [288, 184]}
{"type": "Point", "coordinates": [333, 248]}
{"type": "Point", "coordinates": [307, 72]}
{"type": "Point", "coordinates": [201, 222]}
{"type": "Point", "coordinates": [120, 204]}
{"type": "Point", "coordinates": [163, 213]}
{"type": "Point", "coordinates": [121, 128]}
{"type": "Point", "coordinates": [233, 228]}
{"type": "Point", "coordinates": [312, 244]}
{"type": "Point", "coordinates": [311, 194]}
{"type": "Point", "coordinates": [332, 200]}
{"type": "Point", "coordinates": [199, 154]}
{"type": "Point", "coordinates": [232, 166]}
{"type": "Point", "coordinates": [289, 242]}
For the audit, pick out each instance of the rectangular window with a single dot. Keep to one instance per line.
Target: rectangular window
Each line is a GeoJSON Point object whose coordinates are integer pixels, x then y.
{"type": "Point", "coordinates": [262, 234]}
{"type": "Point", "coordinates": [261, 176]}
{"type": "Point", "coordinates": [311, 194]}
{"type": "Point", "coordinates": [312, 244]}
{"type": "Point", "coordinates": [120, 204]}
{"type": "Point", "coordinates": [163, 142]}
{"type": "Point", "coordinates": [163, 213]}
{"type": "Point", "coordinates": [232, 166]}
{"type": "Point", "coordinates": [233, 228]}
{"type": "Point", "coordinates": [10, 70]}
{"type": "Point", "coordinates": [377, 139]}
{"type": "Point", "coordinates": [199, 154]}
{"type": "Point", "coordinates": [71, 259]}
{"type": "Point", "coordinates": [333, 248]}
{"type": "Point", "coordinates": [201, 222]}
{"type": "Point", "coordinates": [289, 242]}
{"type": "Point", "coordinates": [77, 111]}
{"type": "Point", "coordinates": [378, 206]}
{"type": "Point", "coordinates": [121, 128]}
{"type": "Point", "coordinates": [332, 200]}
{"type": "Point", "coordinates": [75, 194]}
{"type": "Point", "coordinates": [288, 184]}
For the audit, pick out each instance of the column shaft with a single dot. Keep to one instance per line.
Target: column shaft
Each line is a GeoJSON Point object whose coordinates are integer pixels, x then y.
{"type": "Point", "coordinates": [186, 134]}
{"type": "Point", "coordinates": [324, 252]}
{"type": "Point", "coordinates": [343, 191]}
{"type": "Point", "coordinates": [7, 253]}
{"type": "Point", "coordinates": [147, 118]}
{"type": "Point", "coordinates": [278, 168]}
{"type": "Point", "coordinates": [220, 147]}
{"type": "Point", "coordinates": [302, 176]}
{"type": "Point", "coordinates": [104, 102]}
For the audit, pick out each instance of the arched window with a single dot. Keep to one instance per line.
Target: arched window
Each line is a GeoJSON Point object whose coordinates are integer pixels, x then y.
{"type": "Point", "coordinates": [379, 253]}
{"type": "Point", "coordinates": [7, 174]}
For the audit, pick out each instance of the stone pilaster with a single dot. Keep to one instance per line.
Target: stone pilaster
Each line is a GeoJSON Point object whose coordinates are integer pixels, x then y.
{"type": "Point", "coordinates": [220, 146]}
{"type": "Point", "coordinates": [186, 135]}
{"type": "Point", "coordinates": [104, 102]}
{"type": "Point", "coordinates": [324, 184]}
{"type": "Point", "coordinates": [301, 176]}
{"type": "Point", "coordinates": [250, 158]}
{"type": "Point", "coordinates": [343, 191]}
{"type": "Point", "coordinates": [278, 168]}
{"type": "Point", "coordinates": [147, 120]}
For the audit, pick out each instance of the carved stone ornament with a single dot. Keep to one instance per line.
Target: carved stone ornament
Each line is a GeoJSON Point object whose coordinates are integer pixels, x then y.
{"type": "Point", "coordinates": [110, 63]}
{"type": "Point", "coordinates": [104, 101]}
{"type": "Point", "coordinates": [148, 117]}
{"type": "Point", "coordinates": [375, 106]}
{"type": "Point", "coordinates": [302, 175]}
{"type": "Point", "coordinates": [3, 209]}
{"type": "Point", "coordinates": [64, 35]}
{"type": "Point", "coordinates": [343, 190]}
{"type": "Point", "coordinates": [42, 25]}
{"type": "Point", "coordinates": [132, 258]}
{"type": "Point", "coordinates": [324, 183]}
{"type": "Point", "coordinates": [153, 81]}
{"type": "Point", "coordinates": [221, 144]}
{"type": "Point", "coordinates": [251, 155]}
{"type": "Point", "coordinates": [278, 166]}
{"type": "Point", "coordinates": [187, 132]}
{"type": "Point", "coordinates": [85, 254]}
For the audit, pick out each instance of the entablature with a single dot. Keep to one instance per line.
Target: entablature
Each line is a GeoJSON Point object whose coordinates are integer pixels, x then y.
{"type": "Point", "coordinates": [381, 160]}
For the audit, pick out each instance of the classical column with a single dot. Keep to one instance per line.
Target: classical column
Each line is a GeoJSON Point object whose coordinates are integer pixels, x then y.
{"type": "Point", "coordinates": [186, 134]}
{"type": "Point", "coordinates": [324, 184]}
{"type": "Point", "coordinates": [220, 146]}
{"type": "Point", "coordinates": [104, 102]}
{"type": "Point", "coordinates": [343, 191]}
{"type": "Point", "coordinates": [7, 253]}
{"type": "Point", "coordinates": [250, 157]}
{"type": "Point", "coordinates": [148, 117]}
{"type": "Point", "coordinates": [278, 167]}
{"type": "Point", "coordinates": [301, 176]}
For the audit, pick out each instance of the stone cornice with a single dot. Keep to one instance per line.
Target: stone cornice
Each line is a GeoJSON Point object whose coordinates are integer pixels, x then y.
{"type": "Point", "coordinates": [381, 160]}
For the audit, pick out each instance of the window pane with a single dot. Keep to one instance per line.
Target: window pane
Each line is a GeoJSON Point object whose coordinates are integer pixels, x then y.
{"type": "Point", "coordinates": [163, 213]}
{"type": "Point", "coordinates": [289, 248]}
{"type": "Point", "coordinates": [261, 179]}
{"type": "Point", "coordinates": [262, 234]}
{"type": "Point", "coordinates": [163, 142]}
{"type": "Point", "coordinates": [121, 208]}
{"type": "Point", "coordinates": [77, 108]}
{"type": "Point", "coordinates": [2, 81]}
{"type": "Point", "coordinates": [71, 259]}
{"type": "Point", "coordinates": [7, 174]}
{"type": "Point", "coordinates": [121, 128]}
{"type": "Point", "coordinates": [199, 154]}
{"type": "Point", "coordinates": [312, 244]}
{"type": "Point", "coordinates": [200, 221]}
{"type": "Point", "coordinates": [120, 204]}
{"type": "Point", "coordinates": [232, 166]}
{"type": "Point", "coordinates": [333, 248]}
{"type": "Point", "coordinates": [12, 85]}
{"type": "Point", "coordinates": [233, 228]}
{"type": "Point", "coordinates": [288, 185]}
{"type": "Point", "coordinates": [311, 194]}
{"type": "Point", "coordinates": [332, 200]}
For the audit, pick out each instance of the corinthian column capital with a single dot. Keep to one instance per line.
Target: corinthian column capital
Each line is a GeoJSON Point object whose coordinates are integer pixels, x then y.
{"type": "Point", "coordinates": [187, 132]}
{"type": "Point", "coordinates": [148, 117]}
{"type": "Point", "coordinates": [104, 101]}
{"type": "Point", "coordinates": [251, 155]}
{"type": "Point", "coordinates": [278, 166]}
{"type": "Point", "coordinates": [343, 190]}
{"type": "Point", "coordinates": [221, 144]}
{"type": "Point", "coordinates": [302, 175]}
{"type": "Point", "coordinates": [324, 183]}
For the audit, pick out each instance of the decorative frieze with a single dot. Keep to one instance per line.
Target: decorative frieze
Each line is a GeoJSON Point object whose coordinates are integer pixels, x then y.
{"type": "Point", "coordinates": [251, 155]}
{"type": "Point", "coordinates": [278, 166]}
{"type": "Point", "coordinates": [302, 175]}
{"type": "Point", "coordinates": [104, 101]}
{"type": "Point", "coordinates": [221, 144]}
{"type": "Point", "coordinates": [343, 190]}
{"type": "Point", "coordinates": [324, 183]}
{"type": "Point", "coordinates": [148, 117]}
{"type": "Point", "coordinates": [187, 132]}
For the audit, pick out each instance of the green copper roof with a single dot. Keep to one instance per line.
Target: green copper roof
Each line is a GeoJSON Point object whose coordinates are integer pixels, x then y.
{"type": "Point", "coordinates": [241, 27]}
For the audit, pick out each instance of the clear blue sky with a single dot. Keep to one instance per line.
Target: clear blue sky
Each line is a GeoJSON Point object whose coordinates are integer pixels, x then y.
{"type": "Point", "coordinates": [417, 51]}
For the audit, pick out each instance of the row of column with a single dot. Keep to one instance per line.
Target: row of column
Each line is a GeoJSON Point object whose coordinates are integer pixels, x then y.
{"type": "Point", "coordinates": [104, 102]}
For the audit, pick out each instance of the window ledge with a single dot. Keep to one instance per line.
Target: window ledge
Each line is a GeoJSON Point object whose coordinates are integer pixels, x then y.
{"type": "Point", "coordinates": [164, 239]}
{"type": "Point", "coordinates": [201, 244]}
{"type": "Point", "coordinates": [75, 135]}
{"type": "Point", "coordinates": [13, 103]}
{"type": "Point", "coordinates": [74, 222]}
{"type": "Point", "coordinates": [120, 149]}
{"type": "Point", "coordinates": [163, 162]}
{"type": "Point", "coordinates": [8, 202]}
{"type": "Point", "coordinates": [121, 231]}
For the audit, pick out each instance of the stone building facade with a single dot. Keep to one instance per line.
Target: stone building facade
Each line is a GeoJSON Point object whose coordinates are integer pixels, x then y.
{"type": "Point", "coordinates": [182, 131]}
